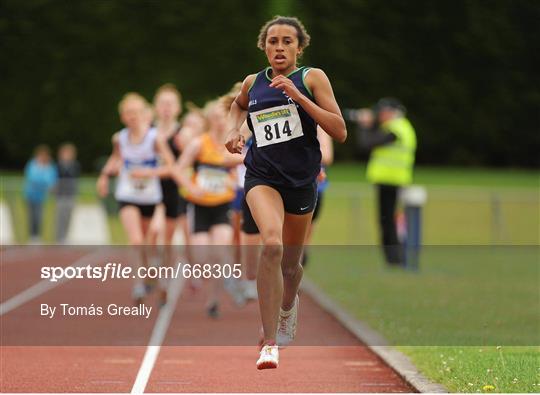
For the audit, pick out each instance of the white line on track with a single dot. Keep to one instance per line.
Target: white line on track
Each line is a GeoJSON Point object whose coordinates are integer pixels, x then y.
{"type": "Point", "coordinates": [12, 254]}
{"type": "Point", "coordinates": [45, 285]}
{"type": "Point", "coordinates": [158, 335]}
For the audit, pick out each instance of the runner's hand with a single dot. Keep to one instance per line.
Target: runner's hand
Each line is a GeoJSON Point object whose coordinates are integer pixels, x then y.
{"type": "Point", "coordinates": [287, 86]}
{"type": "Point", "coordinates": [235, 143]}
{"type": "Point", "coordinates": [102, 186]}
{"type": "Point", "coordinates": [322, 176]}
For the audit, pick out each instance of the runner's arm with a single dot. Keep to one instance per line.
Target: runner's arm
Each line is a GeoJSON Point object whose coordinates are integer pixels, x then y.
{"type": "Point", "coordinates": [325, 111]}
{"type": "Point", "coordinates": [237, 116]}
{"type": "Point", "coordinates": [113, 163]}
{"type": "Point", "coordinates": [165, 170]}
{"type": "Point", "coordinates": [111, 168]}
{"type": "Point", "coordinates": [327, 146]}
{"type": "Point", "coordinates": [186, 161]}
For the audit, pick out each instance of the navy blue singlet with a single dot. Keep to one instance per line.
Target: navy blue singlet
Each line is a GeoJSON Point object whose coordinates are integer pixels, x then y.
{"type": "Point", "coordinates": [281, 154]}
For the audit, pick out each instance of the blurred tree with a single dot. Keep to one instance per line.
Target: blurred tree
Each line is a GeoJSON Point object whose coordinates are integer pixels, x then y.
{"type": "Point", "coordinates": [467, 70]}
{"type": "Point", "coordinates": [280, 7]}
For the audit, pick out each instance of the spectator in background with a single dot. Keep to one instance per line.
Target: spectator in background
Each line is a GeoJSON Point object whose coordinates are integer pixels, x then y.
{"type": "Point", "coordinates": [392, 141]}
{"type": "Point", "coordinates": [39, 177]}
{"type": "Point", "coordinates": [66, 188]}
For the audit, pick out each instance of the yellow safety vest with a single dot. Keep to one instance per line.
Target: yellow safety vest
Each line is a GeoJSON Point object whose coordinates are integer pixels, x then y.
{"type": "Point", "coordinates": [392, 163]}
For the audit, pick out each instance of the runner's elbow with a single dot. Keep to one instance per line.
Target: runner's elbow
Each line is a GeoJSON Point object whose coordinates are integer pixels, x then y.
{"type": "Point", "coordinates": [341, 134]}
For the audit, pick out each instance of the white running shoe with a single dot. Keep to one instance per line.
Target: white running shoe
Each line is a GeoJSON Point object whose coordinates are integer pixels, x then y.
{"type": "Point", "coordinates": [269, 358]}
{"type": "Point", "coordinates": [250, 289]}
{"type": "Point", "coordinates": [138, 293]}
{"type": "Point", "coordinates": [235, 289]}
{"type": "Point", "coordinates": [287, 324]}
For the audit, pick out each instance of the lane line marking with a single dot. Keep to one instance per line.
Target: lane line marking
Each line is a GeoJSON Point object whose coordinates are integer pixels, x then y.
{"type": "Point", "coordinates": [158, 335]}
{"type": "Point", "coordinates": [10, 255]}
{"type": "Point", "coordinates": [178, 361]}
{"type": "Point", "coordinates": [44, 285]}
{"type": "Point", "coordinates": [120, 360]}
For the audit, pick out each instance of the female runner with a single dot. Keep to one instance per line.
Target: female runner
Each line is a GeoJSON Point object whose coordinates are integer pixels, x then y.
{"type": "Point", "coordinates": [283, 104]}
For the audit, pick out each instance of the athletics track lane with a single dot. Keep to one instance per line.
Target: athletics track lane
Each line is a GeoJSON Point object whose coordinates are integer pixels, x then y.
{"type": "Point", "coordinates": [28, 366]}
{"type": "Point", "coordinates": [199, 354]}
{"type": "Point", "coordinates": [205, 355]}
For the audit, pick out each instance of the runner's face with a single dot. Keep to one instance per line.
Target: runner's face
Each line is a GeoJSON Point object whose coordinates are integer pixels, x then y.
{"type": "Point", "coordinates": [134, 114]}
{"type": "Point", "coordinates": [217, 119]}
{"type": "Point", "coordinates": [195, 121]}
{"type": "Point", "coordinates": [281, 47]}
{"type": "Point", "coordinates": [167, 106]}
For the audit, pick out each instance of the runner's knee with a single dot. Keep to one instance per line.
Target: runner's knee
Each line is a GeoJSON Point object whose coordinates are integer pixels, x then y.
{"type": "Point", "coordinates": [272, 249]}
{"type": "Point", "coordinates": [136, 240]}
{"type": "Point", "coordinates": [272, 238]}
{"type": "Point", "coordinates": [291, 271]}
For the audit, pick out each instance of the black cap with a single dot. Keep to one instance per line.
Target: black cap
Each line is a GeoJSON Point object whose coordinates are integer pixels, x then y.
{"type": "Point", "coordinates": [390, 102]}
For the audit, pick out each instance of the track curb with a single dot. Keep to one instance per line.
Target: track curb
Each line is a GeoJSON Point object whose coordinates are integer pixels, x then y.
{"type": "Point", "coordinates": [398, 361]}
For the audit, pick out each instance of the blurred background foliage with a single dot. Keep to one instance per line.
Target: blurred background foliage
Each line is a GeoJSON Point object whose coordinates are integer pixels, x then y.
{"type": "Point", "coordinates": [466, 70]}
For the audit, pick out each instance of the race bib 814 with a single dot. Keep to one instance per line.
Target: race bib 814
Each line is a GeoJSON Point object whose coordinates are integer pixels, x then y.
{"type": "Point", "coordinates": [276, 125]}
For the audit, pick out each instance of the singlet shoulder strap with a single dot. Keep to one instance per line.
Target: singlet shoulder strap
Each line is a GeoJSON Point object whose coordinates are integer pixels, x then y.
{"type": "Point", "coordinates": [305, 71]}
{"type": "Point", "coordinates": [123, 136]}
{"type": "Point", "coordinates": [257, 77]}
{"type": "Point", "coordinates": [206, 143]}
{"type": "Point", "coordinates": [151, 134]}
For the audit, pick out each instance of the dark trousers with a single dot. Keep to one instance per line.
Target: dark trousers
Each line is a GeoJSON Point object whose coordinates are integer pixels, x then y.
{"type": "Point", "coordinates": [392, 248]}
{"type": "Point", "coordinates": [64, 208]}
{"type": "Point", "coordinates": [35, 218]}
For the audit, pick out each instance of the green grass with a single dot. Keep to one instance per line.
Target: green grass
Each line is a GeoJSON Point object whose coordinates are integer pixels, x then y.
{"type": "Point", "coordinates": [462, 300]}
{"type": "Point", "coordinates": [457, 297]}
{"type": "Point", "coordinates": [471, 369]}
{"type": "Point", "coordinates": [451, 216]}
{"type": "Point", "coordinates": [426, 175]}
{"type": "Point", "coordinates": [11, 187]}
{"type": "Point", "coordinates": [449, 316]}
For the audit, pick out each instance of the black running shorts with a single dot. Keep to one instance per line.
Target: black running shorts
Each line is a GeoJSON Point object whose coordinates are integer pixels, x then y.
{"type": "Point", "coordinates": [207, 216]}
{"type": "Point", "coordinates": [248, 223]}
{"type": "Point", "coordinates": [299, 201]}
{"type": "Point", "coordinates": [146, 210]}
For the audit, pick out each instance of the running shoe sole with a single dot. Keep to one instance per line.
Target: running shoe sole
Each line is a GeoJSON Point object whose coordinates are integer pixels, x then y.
{"type": "Point", "coordinates": [267, 365]}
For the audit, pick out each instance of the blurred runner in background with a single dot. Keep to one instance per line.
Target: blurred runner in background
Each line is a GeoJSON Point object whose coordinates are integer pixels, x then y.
{"type": "Point", "coordinates": [136, 150]}
{"type": "Point", "coordinates": [167, 109]}
{"type": "Point", "coordinates": [245, 289]}
{"type": "Point", "coordinates": [210, 189]}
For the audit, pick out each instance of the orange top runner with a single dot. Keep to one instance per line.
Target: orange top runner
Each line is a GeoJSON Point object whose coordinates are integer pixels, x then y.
{"type": "Point", "coordinates": [217, 181]}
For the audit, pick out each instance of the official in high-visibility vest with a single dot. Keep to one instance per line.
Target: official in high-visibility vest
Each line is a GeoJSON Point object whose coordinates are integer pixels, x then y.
{"type": "Point", "coordinates": [392, 141]}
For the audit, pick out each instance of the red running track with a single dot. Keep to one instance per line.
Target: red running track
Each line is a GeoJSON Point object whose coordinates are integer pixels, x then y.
{"type": "Point", "coordinates": [198, 354]}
